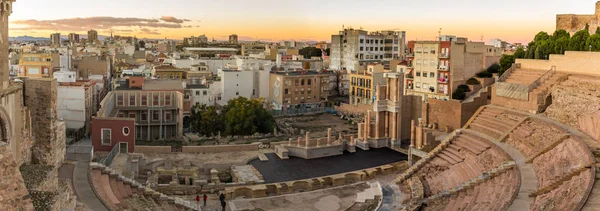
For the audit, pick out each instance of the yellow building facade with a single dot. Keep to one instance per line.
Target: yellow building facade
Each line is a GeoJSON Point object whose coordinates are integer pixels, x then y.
{"type": "Point", "coordinates": [363, 83]}
{"type": "Point", "coordinates": [35, 65]}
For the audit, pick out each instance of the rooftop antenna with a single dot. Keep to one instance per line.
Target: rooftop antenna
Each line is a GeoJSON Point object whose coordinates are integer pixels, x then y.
{"type": "Point", "coordinates": [481, 37]}
{"type": "Point", "coordinates": [440, 34]}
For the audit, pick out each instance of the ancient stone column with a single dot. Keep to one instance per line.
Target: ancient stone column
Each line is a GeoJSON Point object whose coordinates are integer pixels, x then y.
{"type": "Point", "coordinates": [377, 125]}
{"type": "Point", "coordinates": [412, 133]}
{"type": "Point", "coordinates": [367, 125]}
{"type": "Point", "coordinates": [299, 140]}
{"type": "Point", "coordinates": [352, 140]}
{"type": "Point", "coordinates": [340, 136]}
{"type": "Point", "coordinates": [290, 142]}
{"type": "Point", "coordinates": [419, 136]}
{"type": "Point", "coordinates": [307, 139]}
{"type": "Point", "coordinates": [329, 136]}
{"type": "Point", "coordinates": [386, 125]}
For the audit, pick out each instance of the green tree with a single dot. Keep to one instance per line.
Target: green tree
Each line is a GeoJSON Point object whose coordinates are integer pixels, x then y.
{"type": "Point", "coordinates": [246, 117]}
{"type": "Point", "coordinates": [541, 36]}
{"type": "Point", "coordinates": [142, 44]}
{"type": "Point", "coordinates": [560, 34]}
{"type": "Point", "coordinates": [587, 27]}
{"type": "Point", "coordinates": [530, 50]}
{"type": "Point", "coordinates": [561, 45]}
{"type": "Point", "coordinates": [578, 40]}
{"type": "Point", "coordinates": [494, 68]}
{"type": "Point", "coordinates": [593, 41]}
{"type": "Point", "coordinates": [520, 53]}
{"type": "Point", "coordinates": [310, 52]}
{"type": "Point", "coordinates": [506, 62]}
{"type": "Point", "coordinates": [461, 92]}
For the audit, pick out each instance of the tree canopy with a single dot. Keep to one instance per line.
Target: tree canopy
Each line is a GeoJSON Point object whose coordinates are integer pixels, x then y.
{"type": "Point", "coordinates": [310, 52]}
{"type": "Point", "coordinates": [240, 116]}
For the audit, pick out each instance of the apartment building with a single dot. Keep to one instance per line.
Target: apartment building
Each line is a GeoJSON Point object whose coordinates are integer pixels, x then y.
{"type": "Point", "coordinates": [74, 38]}
{"type": "Point", "coordinates": [156, 106]}
{"type": "Point", "coordinates": [436, 68]}
{"type": "Point", "coordinates": [38, 65]}
{"type": "Point", "coordinates": [292, 90]}
{"type": "Point", "coordinates": [55, 40]}
{"type": "Point", "coordinates": [198, 41]}
{"type": "Point", "coordinates": [168, 72]}
{"type": "Point", "coordinates": [77, 103]}
{"type": "Point", "coordinates": [352, 47]}
{"type": "Point", "coordinates": [363, 83]}
{"type": "Point", "coordinates": [92, 37]}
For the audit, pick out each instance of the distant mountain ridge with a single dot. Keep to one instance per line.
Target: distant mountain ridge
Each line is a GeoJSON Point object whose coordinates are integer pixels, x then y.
{"type": "Point", "coordinates": [28, 38]}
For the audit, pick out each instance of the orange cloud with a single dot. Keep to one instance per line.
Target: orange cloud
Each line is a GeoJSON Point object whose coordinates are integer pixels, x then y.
{"type": "Point", "coordinates": [98, 23]}
{"type": "Point", "coordinates": [172, 19]}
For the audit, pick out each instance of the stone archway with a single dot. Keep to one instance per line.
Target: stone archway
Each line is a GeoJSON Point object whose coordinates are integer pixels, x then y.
{"type": "Point", "coordinates": [5, 126]}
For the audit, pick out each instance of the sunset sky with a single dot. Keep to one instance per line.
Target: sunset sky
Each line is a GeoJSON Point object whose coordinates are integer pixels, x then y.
{"type": "Point", "coordinates": [301, 20]}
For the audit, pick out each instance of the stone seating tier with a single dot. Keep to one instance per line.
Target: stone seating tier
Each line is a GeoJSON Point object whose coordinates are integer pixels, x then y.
{"type": "Point", "coordinates": [121, 193]}
{"type": "Point", "coordinates": [495, 122]}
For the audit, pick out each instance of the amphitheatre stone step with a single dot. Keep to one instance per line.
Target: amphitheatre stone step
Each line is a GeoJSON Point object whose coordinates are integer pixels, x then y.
{"type": "Point", "coordinates": [486, 130]}
{"type": "Point", "coordinates": [447, 159]}
{"type": "Point", "coordinates": [476, 139]}
{"type": "Point", "coordinates": [494, 122]}
{"type": "Point", "coordinates": [452, 155]}
{"type": "Point", "coordinates": [452, 149]}
{"type": "Point", "coordinates": [465, 143]}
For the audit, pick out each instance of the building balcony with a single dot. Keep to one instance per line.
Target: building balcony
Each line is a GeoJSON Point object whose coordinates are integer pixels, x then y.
{"type": "Point", "coordinates": [443, 68]}
{"type": "Point", "coordinates": [151, 123]}
{"type": "Point", "coordinates": [410, 77]}
{"type": "Point", "coordinates": [410, 55]}
{"type": "Point", "coordinates": [443, 80]}
{"type": "Point", "coordinates": [444, 55]}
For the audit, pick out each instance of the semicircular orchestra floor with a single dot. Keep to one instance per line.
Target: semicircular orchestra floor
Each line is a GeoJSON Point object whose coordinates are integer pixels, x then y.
{"type": "Point", "coordinates": [277, 170]}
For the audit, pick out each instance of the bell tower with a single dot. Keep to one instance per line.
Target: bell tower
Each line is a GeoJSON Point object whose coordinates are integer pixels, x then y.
{"type": "Point", "coordinates": [5, 11]}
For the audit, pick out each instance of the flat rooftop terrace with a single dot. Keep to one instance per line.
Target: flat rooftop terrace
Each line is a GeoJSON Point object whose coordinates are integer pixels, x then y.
{"type": "Point", "coordinates": [277, 170]}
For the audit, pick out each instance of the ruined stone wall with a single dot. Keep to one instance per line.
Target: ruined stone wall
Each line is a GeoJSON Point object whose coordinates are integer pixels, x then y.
{"type": "Point", "coordinates": [152, 149]}
{"type": "Point", "coordinates": [220, 148]}
{"type": "Point", "coordinates": [411, 110]}
{"type": "Point", "coordinates": [453, 113]}
{"type": "Point", "coordinates": [48, 131]}
{"type": "Point", "coordinates": [13, 194]}
{"type": "Point", "coordinates": [576, 102]}
{"type": "Point", "coordinates": [444, 113]}
{"type": "Point", "coordinates": [573, 23]}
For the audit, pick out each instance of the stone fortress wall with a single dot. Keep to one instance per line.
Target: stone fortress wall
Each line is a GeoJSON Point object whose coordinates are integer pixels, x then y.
{"type": "Point", "coordinates": [573, 23]}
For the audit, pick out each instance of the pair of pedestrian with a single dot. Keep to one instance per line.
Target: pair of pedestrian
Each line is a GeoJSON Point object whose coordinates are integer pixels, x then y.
{"type": "Point", "coordinates": [221, 198]}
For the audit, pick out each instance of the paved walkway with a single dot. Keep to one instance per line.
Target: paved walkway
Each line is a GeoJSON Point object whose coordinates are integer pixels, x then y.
{"type": "Point", "coordinates": [83, 189]}
{"type": "Point", "coordinates": [529, 181]}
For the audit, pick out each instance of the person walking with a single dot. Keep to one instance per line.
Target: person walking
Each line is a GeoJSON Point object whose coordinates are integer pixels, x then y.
{"type": "Point", "coordinates": [223, 204]}
{"type": "Point", "coordinates": [222, 197]}
{"type": "Point", "coordinates": [204, 198]}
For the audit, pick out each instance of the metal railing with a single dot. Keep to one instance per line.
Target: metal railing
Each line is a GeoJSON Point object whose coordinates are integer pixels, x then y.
{"type": "Point", "coordinates": [508, 72]}
{"type": "Point", "coordinates": [544, 77]}
{"type": "Point", "coordinates": [111, 155]}
{"type": "Point", "coordinates": [76, 152]}
{"type": "Point", "coordinates": [301, 111]}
